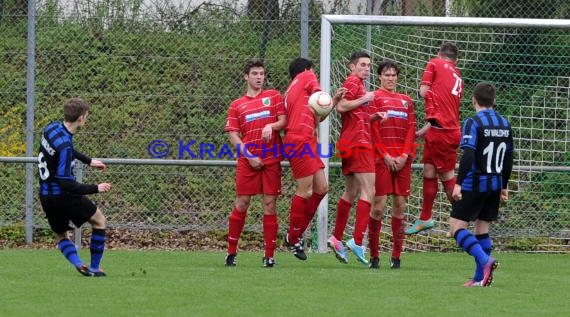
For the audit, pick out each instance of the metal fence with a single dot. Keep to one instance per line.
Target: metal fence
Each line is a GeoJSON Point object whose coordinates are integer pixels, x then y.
{"type": "Point", "coordinates": [167, 71]}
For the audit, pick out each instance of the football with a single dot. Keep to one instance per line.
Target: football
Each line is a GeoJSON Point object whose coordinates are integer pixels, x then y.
{"type": "Point", "coordinates": [321, 102]}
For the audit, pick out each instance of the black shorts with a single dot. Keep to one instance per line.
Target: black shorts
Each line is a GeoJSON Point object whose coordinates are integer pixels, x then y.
{"type": "Point", "coordinates": [476, 205]}
{"type": "Point", "coordinates": [61, 210]}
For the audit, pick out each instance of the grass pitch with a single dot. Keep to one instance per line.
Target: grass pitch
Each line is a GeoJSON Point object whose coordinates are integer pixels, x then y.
{"type": "Point", "coordinates": [163, 283]}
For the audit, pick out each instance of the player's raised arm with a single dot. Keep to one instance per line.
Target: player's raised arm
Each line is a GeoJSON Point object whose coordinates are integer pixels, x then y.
{"type": "Point", "coordinates": [345, 105]}
{"type": "Point", "coordinates": [339, 94]}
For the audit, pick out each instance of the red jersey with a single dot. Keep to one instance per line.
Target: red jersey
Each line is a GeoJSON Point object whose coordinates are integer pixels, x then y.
{"type": "Point", "coordinates": [355, 129]}
{"type": "Point", "coordinates": [300, 119]}
{"type": "Point", "coordinates": [249, 115]}
{"type": "Point", "coordinates": [443, 98]}
{"type": "Point", "coordinates": [396, 134]}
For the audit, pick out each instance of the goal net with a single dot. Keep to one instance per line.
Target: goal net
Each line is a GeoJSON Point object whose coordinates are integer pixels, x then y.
{"type": "Point", "coordinates": [527, 60]}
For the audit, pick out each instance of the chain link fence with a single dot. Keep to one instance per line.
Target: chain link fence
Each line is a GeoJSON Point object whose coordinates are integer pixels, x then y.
{"type": "Point", "coordinates": [164, 72]}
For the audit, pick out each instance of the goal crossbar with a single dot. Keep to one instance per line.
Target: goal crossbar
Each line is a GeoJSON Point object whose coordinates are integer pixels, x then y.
{"type": "Point", "coordinates": [443, 21]}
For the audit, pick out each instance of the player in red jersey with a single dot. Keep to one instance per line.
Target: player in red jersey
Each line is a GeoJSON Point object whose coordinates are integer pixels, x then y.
{"type": "Point", "coordinates": [300, 148]}
{"type": "Point", "coordinates": [393, 138]}
{"type": "Point", "coordinates": [355, 149]}
{"type": "Point", "coordinates": [253, 124]}
{"type": "Point", "coordinates": [441, 87]}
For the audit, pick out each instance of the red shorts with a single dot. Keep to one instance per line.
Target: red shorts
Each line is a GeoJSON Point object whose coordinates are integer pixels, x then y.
{"type": "Point", "coordinates": [395, 183]}
{"type": "Point", "coordinates": [302, 153]}
{"type": "Point", "coordinates": [440, 148]}
{"type": "Point", "coordinates": [360, 160]}
{"type": "Point", "coordinates": [250, 181]}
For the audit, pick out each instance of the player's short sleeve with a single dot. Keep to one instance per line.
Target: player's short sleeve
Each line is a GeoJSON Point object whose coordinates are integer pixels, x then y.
{"type": "Point", "coordinates": [428, 75]}
{"type": "Point", "coordinates": [279, 105]}
{"type": "Point", "coordinates": [353, 87]}
{"type": "Point", "coordinates": [232, 119]}
{"type": "Point", "coordinates": [312, 84]}
{"type": "Point", "coordinates": [469, 134]}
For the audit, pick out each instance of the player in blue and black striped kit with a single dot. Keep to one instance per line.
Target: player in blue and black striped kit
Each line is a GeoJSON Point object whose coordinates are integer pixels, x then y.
{"type": "Point", "coordinates": [62, 197]}
{"type": "Point", "coordinates": [484, 171]}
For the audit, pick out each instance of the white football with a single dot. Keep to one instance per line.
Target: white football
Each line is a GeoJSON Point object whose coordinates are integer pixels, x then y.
{"type": "Point", "coordinates": [321, 102]}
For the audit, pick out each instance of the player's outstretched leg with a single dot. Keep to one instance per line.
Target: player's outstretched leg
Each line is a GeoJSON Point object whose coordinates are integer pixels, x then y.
{"type": "Point", "coordinates": [69, 251]}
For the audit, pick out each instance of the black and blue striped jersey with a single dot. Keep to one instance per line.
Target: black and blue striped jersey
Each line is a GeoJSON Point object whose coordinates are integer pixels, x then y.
{"type": "Point", "coordinates": [487, 137]}
{"type": "Point", "coordinates": [56, 161]}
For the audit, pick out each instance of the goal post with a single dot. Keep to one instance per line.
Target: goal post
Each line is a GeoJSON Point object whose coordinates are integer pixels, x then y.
{"type": "Point", "coordinates": [529, 62]}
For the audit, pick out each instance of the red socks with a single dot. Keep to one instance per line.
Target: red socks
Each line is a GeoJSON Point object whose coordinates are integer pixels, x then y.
{"type": "Point", "coordinates": [397, 237]}
{"type": "Point", "coordinates": [296, 218]}
{"type": "Point", "coordinates": [236, 223]}
{"type": "Point", "coordinates": [361, 223]}
{"type": "Point", "coordinates": [374, 228]}
{"type": "Point", "coordinates": [270, 228]}
{"type": "Point", "coordinates": [429, 193]}
{"type": "Point", "coordinates": [448, 187]}
{"type": "Point", "coordinates": [312, 205]}
{"type": "Point", "coordinates": [342, 213]}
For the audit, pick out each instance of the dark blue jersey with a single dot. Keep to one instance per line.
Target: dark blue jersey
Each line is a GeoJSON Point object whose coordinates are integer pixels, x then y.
{"type": "Point", "coordinates": [487, 144]}
{"type": "Point", "coordinates": [55, 162]}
